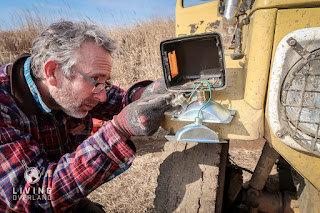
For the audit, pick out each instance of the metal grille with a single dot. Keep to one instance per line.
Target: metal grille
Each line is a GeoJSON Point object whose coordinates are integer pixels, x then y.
{"type": "Point", "coordinates": [300, 103]}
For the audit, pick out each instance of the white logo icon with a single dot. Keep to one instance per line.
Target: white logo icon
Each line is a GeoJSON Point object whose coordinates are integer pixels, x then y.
{"type": "Point", "coordinates": [32, 174]}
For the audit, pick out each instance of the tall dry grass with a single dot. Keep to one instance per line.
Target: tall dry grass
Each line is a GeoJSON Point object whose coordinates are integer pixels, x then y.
{"type": "Point", "coordinates": [18, 41]}
{"type": "Point", "coordinates": [137, 56]}
{"type": "Point", "coordinates": [15, 42]}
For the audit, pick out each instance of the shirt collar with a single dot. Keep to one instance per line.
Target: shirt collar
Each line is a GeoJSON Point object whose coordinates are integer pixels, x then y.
{"type": "Point", "coordinates": [33, 88]}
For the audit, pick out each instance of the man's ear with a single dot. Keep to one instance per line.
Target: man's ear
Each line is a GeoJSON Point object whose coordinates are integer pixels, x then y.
{"type": "Point", "coordinates": [50, 71]}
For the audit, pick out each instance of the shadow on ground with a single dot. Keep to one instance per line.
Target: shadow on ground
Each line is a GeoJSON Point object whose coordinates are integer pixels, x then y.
{"type": "Point", "coordinates": [188, 178]}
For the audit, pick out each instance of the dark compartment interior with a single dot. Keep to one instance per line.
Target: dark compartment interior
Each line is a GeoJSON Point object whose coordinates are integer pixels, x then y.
{"type": "Point", "coordinates": [198, 57]}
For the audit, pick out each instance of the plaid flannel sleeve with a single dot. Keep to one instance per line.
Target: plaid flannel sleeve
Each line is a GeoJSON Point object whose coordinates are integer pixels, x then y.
{"type": "Point", "coordinates": [97, 160]}
{"type": "Point", "coordinates": [60, 185]}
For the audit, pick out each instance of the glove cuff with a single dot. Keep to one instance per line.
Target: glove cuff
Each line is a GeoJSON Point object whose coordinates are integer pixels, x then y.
{"type": "Point", "coordinates": [135, 91]}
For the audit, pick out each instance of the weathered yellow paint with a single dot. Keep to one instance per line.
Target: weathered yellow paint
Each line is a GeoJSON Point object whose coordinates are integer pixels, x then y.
{"type": "Point", "coordinates": [263, 4]}
{"type": "Point", "coordinates": [293, 19]}
{"type": "Point", "coordinates": [246, 82]}
{"type": "Point", "coordinates": [287, 21]}
{"type": "Point", "coordinates": [246, 78]}
{"type": "Point", "coordinates": [258, 56]}
{"type": "Point", "coordinates": [197, 19]}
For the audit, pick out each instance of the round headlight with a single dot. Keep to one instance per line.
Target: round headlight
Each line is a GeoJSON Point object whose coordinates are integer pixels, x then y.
{"type": "Point", "coordinates": [300, 102]}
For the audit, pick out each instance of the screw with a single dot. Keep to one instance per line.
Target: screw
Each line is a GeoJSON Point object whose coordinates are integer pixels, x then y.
{"type": "Point", "coordinates": [292, 42]}
{"type": "Point", "coordinates": [281, 133]}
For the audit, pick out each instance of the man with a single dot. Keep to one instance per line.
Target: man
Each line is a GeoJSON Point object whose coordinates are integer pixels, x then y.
{"type": "Point", "coordinates": [48, 161]}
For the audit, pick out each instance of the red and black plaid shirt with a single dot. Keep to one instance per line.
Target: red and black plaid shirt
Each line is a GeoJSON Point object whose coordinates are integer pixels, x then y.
{"type": "Point", "coordinates": [73, 162]}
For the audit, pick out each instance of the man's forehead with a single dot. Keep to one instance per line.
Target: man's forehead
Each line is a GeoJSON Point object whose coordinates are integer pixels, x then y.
{"type": "Point", "coordinates": [95, 56]}
{"type": "Point", "coordinates": [91, 51]}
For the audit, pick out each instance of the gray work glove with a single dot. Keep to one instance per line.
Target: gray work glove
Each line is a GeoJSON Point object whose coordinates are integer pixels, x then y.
{"type": "Point", "coordinates": [143, 116]}
{"type": "Point", "coordinates": [156, 87]}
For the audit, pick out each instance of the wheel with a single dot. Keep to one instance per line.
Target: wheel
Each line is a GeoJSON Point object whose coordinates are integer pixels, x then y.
{"type": "Point", "coordinates": [191, 177]}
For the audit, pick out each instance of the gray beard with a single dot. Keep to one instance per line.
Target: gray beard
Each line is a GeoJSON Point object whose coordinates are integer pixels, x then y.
{"type": "Point", "coordinates": [68, 109]}
{"type": "Point", "coordinates": [65, 100]}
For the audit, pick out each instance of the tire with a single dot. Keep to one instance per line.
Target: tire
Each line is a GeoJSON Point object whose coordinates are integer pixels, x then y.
{"type": "Point", "coordinates": [191, 177]}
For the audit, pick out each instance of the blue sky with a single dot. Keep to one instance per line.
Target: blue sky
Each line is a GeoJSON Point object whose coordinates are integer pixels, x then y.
{"type": "Point", "coordinates": [107, 12]}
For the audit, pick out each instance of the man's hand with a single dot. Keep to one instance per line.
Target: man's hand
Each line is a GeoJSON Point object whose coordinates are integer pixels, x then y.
{"type": "Point", "coordinates": [156, 87]}
{"type": "Point", "coordinates": [143, 116]}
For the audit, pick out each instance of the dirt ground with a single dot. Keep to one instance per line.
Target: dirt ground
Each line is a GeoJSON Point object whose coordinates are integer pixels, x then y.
{"type": "Point", "coordinates": [134, 190]}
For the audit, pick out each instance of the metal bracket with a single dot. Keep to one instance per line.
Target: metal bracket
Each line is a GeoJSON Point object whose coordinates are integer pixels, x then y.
{"type": "Point", "coordinates": [245, 5]}
{"type": "Point", "coordinates": [298, 48]}
{"type": "Point", "coordinates": [237, 53]}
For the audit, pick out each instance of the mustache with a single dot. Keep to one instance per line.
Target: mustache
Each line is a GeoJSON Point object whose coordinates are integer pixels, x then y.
{"type": "Point", "coordinates": [90, 102]}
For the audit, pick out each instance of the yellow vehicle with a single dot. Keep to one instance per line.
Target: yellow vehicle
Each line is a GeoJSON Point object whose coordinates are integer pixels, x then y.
{"type": "Point", "coordinates": [270, 61]}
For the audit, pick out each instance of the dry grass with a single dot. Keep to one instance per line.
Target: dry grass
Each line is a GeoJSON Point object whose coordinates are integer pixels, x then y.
{"type": "Point", "coordinates": [132, 191]}
{"type": "Point", "coordinates": [14, 43]}
{"type": "Point", "coordinates": [137, 57]}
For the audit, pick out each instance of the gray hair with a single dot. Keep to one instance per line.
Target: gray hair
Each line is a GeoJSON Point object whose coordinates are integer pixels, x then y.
{"type": "Point", "coordinates": [60, 42]}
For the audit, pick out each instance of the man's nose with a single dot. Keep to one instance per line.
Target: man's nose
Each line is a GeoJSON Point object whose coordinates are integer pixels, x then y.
{"type": "Point", "coordinates": [101, 96]}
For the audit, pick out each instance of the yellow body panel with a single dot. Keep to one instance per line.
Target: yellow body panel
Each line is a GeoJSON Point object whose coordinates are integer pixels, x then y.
{"type": "Point", "coordinates": [258, 56]}
{"type": "Point", "coordinates": [284, 4]}
{"type": "Point", "coordinates": [293, 19]}
{"type": "Point", "coordinates": [242, 93]}
{"type": "Point", "coordinates": [197, 19]}
{"type": "Point", "coordinates": [287, 21]}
